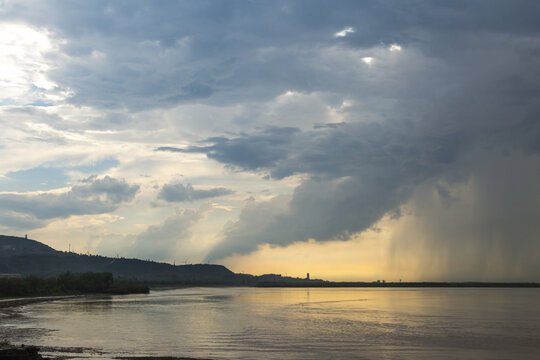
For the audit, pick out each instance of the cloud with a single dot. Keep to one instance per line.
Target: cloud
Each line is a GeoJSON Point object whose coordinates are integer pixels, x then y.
{"type": "Point", "coordinates": [320, 209]}
{"type": "Point", "coordinates": [223, 52]}
{"type": "Point", "coordinates": [115, 191]}
{"type": "Point", "coordinates": [354, 183]}
{"type": "Point", "coordinates": [360, 171]}
{"type": "Point", "coordinates": [259, 150]}
{"type": "Point", "coordinates": [23, 74]}
{"type": "Point", "coordinates": [335, 151]}
{"type": "Point", "coordinates": [179, 193]}
{"type": "Point", "coordinates": [12, 220]}
{"type": "Point", "coordinates": [164, 241]}
{"type": "Point", "coordinates": [344, 32]}
{"type": "Point", "coordinates": [91, 196]}
{"type": "Point", "coordinates": [244, 235]}
{"type": "Point", "coordinates": [368, 60]}
{"type": "Point", "coordinates": [357, 173]}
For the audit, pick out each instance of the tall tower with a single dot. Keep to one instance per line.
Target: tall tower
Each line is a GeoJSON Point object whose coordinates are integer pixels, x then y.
{"type": "Point", "coordinates": [307, 276]}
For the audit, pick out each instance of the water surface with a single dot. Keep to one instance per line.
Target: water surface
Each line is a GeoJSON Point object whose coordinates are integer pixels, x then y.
{"type": "Point", "coordinates": [285, 323]}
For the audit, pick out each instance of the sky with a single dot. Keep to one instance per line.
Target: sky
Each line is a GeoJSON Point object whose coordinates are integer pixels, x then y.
{"type": "Point", "coordinates": [354, 140]}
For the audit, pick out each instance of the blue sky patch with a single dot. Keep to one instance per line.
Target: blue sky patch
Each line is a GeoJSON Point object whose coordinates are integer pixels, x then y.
{"type": "Point", "coordinates": [47, 178]}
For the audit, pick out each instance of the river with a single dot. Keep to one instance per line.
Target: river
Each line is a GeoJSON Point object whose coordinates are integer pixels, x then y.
{"type": "Point", "coordinates": [287, 323]}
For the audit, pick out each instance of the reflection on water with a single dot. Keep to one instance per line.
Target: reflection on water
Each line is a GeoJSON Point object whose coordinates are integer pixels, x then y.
{"type": "Point", "coordinates": [251, 323]}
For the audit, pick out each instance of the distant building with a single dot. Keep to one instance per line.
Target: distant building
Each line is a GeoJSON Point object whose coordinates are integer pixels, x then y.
{"type": "Point", "coordinates": [307, 276]}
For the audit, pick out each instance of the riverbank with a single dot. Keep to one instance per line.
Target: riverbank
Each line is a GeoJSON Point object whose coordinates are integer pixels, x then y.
{"type": "Point", "coordinates": [13, 302]}
{"type": "Point", "coordinates": [22, 352]}
{"type": "Point", "coordinates": [10, 352]}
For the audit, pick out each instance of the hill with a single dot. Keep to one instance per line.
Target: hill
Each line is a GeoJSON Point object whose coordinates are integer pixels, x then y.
{"type": "Point", "coordinates": [23, 257]}
{"type": "Point", "coordinates": [13, 245]}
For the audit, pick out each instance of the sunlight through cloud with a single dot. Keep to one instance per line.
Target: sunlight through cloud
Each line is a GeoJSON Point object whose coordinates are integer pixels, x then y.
{"type": "Point", "coordinates": [22, 64]}
{"type": "Point", "coordinates": [368, 60]}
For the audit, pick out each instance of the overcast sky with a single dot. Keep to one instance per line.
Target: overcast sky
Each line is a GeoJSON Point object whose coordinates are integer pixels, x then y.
{"type": "Point", "coordinates": [354, 140]}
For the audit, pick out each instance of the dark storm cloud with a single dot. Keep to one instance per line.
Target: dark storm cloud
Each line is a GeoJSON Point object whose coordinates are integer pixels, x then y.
{"type": "Point", "coordinates": [339, 151]}
{"type": "Point", "coordinates": [260, 150]}
{"type": "Point", "coordinates": [179, 193]}
{"type": "Point", "coordinates": [155, 55]}
{"type": "Point", "coordinates": [358, 173]}
{"type": "Point", "coordinates": [91, 196]}
{"type": "Point", "coordinates": [482, 101]}
{"type": "Point", "coordinates": [355, 183]}
{"type": "Point", "coordinates": [328, 126]}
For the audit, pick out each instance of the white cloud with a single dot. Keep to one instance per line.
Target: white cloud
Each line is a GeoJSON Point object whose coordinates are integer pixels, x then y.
{"type": "Point", "coordinates": [23, 64]}
{"type": "Point", "coordinates": [344, 32]}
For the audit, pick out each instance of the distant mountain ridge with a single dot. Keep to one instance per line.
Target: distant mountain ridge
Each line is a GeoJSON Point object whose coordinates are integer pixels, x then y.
{"type": "Point", "coordinates": [24, 257]}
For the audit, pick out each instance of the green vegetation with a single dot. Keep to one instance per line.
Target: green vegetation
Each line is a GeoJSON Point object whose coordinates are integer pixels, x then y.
{"type": "Point", "coordinates": [4, 342]}
{"type": "Point", "coordinates": [68, 284]}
